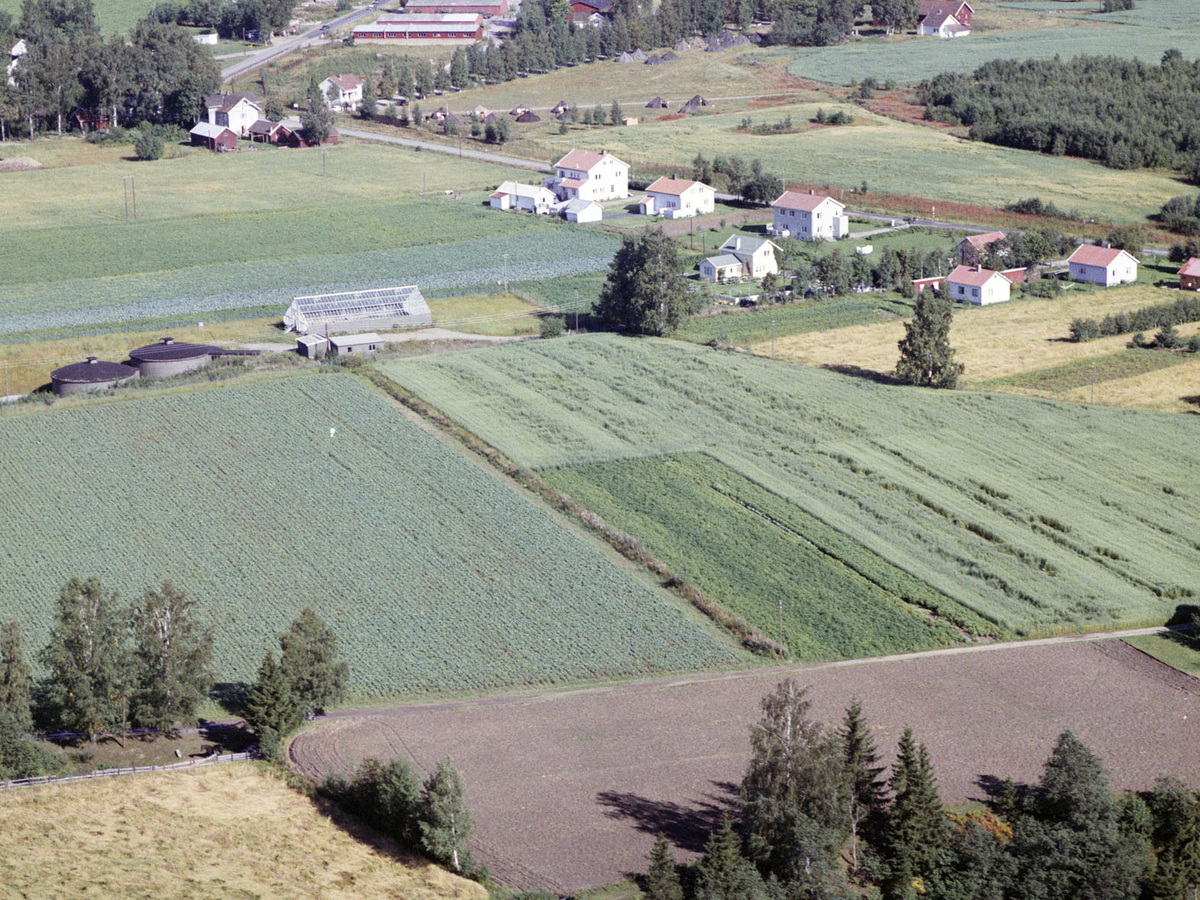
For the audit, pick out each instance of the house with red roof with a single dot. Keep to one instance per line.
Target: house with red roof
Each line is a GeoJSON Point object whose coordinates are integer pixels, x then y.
{"type": "Point", "coordinates": [1189, 275]}
{"type": "Point", "coordinates": [587, 175]}
{"type": "Point", "coordinates": [809, 217]}
{"type": "Point", "coordinates": [678, 198]}
{"type": "Point", "coordinates": [1102, 265]}
{"type": "Point", "coordinates": [944, 18]}
{"type": "Point", "coordinates": [972, 247]}
{"type": "Point", "coordinates": [972, 284]}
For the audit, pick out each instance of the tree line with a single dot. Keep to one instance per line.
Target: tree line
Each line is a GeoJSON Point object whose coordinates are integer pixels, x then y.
{"type": "Point", "coordinates": [1122, 113]}
{"type": "Point", "coordinates": [822, 818]}
{"type": "Point", "coordinates": [1147, 318]}
{"type": "Point", "coordinates": [112, 666]}
{"type": "Point", "coordinates": [157, 74]}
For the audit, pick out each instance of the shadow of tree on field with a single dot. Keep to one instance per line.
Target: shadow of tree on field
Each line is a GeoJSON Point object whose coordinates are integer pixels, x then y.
{"type": "Point", "coordinates": [860, 372]}
{"type": "Point", "coordinates": [687, 827]}
{"type": "Point", "coordinates": [993, 788]}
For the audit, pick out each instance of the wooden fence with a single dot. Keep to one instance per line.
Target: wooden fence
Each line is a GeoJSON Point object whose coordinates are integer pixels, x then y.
{"type": "Point", "coordinates": [133, 770]}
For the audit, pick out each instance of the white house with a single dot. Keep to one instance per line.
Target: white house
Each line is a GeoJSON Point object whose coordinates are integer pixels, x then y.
{"type": "Point", "coordinates": [944, 18]}
{"type": "Point", "coordinates": [678, 198]}
{"type": "Point", "coordinates": [973, 246]}
{"type": "Point", "coordinates": [18, 50]}
{"type": "Point", "coordinates": [972, 284]}
{"type": "Point", "coordinates": [756, 254]}
{"type": "Point", "coordinates": [810, 217]}
{"type": "Point", "coordinates": [581, 210]}
{"type": "Point", "coordinates": [1102, 265]}
{"type": "Point", "coordinates": [526, 197]}
{"type": "Point", "coordinates": [237, 112]}
{"type": "Point", "coordinates": [725, 267]}
{"type": "Point", "coordinates": [343, 91]}
{"type": "Point", "coordinates": [588, 175]}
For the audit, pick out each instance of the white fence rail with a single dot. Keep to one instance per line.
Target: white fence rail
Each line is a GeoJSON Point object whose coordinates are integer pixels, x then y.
{"type": "Point", "coordinates": [132, 770]}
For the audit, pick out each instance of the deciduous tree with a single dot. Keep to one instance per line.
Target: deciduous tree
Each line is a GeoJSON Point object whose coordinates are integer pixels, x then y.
{"type": "Point", "coordinates": [172, 658]}
{"type": "Point", "coordinates": [310, 662]}
{"type": "Point", "coordinates": [16, 679]}
{"type": "Point", "coordinates": [445, 822]}
{"type": "Point", "coordinates": [645, 289]}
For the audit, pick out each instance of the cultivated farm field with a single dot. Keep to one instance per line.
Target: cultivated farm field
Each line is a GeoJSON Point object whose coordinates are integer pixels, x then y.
{"type": "Point", "coordinates": [569, 790]}
{"type": "Point", "coordinates": [183, 835]}
{"type": "Point", "coordinates": [1022, 511]}
{"type": "Point", "coordinates": [263, 496]}
{"type": "Point", "coordinates": [255, 229]}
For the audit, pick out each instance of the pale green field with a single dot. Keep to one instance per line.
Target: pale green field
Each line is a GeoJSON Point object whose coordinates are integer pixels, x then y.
{"type": "Point", "coordinates": [113, 16]}
{"type": "Point", "coordinates": [1020, 510]}
{"type": "Point", "coordinates": [1145, 33]}
{"type": "Point", "coordinates": [893, 157]}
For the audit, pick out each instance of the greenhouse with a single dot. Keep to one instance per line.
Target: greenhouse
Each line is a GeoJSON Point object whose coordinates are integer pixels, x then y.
{"type": "Point", "coordinates": [379, 309]}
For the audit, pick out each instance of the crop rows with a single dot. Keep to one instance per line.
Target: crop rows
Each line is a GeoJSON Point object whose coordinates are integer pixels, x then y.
{"type": "Point", "coordinates": [756, 326]}
{"type": "Point", "coordinates": [756, 555]}
{"type": "Point", "coordinates": [260, 498]}
{"type": "Point", "coordinates": [460, 265]}
{"type": "Point", "coordinates": [1035, 516]}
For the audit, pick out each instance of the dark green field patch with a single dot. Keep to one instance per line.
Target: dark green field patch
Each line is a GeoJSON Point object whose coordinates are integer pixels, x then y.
{"type": "Point", "coordinates": [754, 552]}
{"type": "Point", "coordinates": [1080, 373]}
{"type": "Point", "coordinates": [755, 326]}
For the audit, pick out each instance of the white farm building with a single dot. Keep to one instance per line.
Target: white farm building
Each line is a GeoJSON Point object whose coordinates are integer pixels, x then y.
{"type": "Point", "coordinates": [351, 311]}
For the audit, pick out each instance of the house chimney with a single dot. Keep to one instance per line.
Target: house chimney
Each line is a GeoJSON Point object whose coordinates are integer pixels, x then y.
{"type": "Point", "coordinates": [167, 340]}
{"type": "Point", "coordinates": [810, 192]}
{"type": "Point", "coordinates": [92, 360]}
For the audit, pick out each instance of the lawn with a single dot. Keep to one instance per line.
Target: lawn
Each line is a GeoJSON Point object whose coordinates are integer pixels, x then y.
{"type": "Point", "coordinates": [754, 326]}
{"type": "Point", "coordinates": [263, 496]}
{"type": "Point", "coordinates": [1180, 650]}
{"type": "Point", "coordinates": [491, 314]}
{"type": "Point", "coordinates": [255, 229]}
{"type": "Point", "coordinates": [203, 833]}
{"type": "Point", "coordinates": [1017, 509]}
{"type": "Point", "coordinates": [1034, 355]}
{"type": "Point", "coordinates": [891, 156]}
{"type": "Point", "coordinates": [1145, 34]}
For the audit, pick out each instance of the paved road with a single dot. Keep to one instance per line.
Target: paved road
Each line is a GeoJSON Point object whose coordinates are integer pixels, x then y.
{"type": "Point", "coordinates": [465, 152]}
{"type": "Point", "coordinates": [782, 671]}
{"type": "Point", "coordinates": [279, 48]}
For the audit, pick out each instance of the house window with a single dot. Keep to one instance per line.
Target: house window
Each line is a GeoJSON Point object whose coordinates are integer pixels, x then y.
{"type": "Point", "coordinates": [974, 292]}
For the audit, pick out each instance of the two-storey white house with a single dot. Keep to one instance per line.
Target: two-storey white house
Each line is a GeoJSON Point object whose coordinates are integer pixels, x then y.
{"type": "Point", "coordinates": [587, 175]}
{"type": "Point", "coordinates": [810, 217]}
{"type": "Point", "coordinates": [972, 284]}
{"type": "Point", "coordinates": [237, 112]}
{"type": "Point", "coordinates": [1102, 265]}
{"type": "Point", "coordinates": [342, 91]}
{"type": "Point", "coordinates": [757, 254]}
{"type": "Point", "coordinates": [678, 198]}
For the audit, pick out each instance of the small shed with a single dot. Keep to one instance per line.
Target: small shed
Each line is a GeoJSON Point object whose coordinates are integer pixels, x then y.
{"type": "Point", "coordinates": [1189, 275]}
{"type": "Point", "coordinates": [216, 138]}
{"type": "Point", "coordinates": [657, 103]}
{"type": "Point", "coordinates": [312, 346]}
{"type": "Point", "coordinates": [578, 210]}
{"type": "Point", "coordinates": [355, 344]}
{"type": "Point", "coordinates": [560, 107]}
{"type": "Point", "coordinates": [529, 116]}
{"type": "Point", "coordinates": [265, 131]}
{"type": "Point", "coordinates": [92, 375]}
{"type": "Point", "coordinates": [519, 110]}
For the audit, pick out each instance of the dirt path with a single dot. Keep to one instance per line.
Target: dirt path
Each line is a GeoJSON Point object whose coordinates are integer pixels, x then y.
{"type": "Point", "coordinates": [569, 787]}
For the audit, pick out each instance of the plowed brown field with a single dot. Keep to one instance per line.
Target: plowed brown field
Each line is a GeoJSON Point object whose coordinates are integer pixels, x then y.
{"type": "Point", "coordinates": [568, 789]}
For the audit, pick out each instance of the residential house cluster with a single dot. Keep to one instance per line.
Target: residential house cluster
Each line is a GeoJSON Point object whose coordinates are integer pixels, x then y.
{"type": "Point", "coordinates": [230, 117]}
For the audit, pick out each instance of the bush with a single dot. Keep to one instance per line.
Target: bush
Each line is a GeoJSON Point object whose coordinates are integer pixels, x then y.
{"type": "Point", "coordinates": [1167, 338]}
{"type": "Point", "coordinates": [1183, 310]}
{"type": "Point", "coordinates": [551, 326]}
{"type": "Point", "coordinates": [1193, 343]}
{"type": "Point", "coordinates": [1084, 330]}
{"type": "Point", "coordinates": [148, 146]}
{"type": "Point", "coordinates": [1035, 206]}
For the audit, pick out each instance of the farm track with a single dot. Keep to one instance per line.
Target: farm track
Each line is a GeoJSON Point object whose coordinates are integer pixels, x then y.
{"type": "Point", "coordinates": [568, 788]}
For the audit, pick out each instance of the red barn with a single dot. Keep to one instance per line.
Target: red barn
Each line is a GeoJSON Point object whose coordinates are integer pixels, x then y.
{"type": "Point", "coordinates": [486, 8]}
{"type": "Point", "coordinates": [217, 138]}
{"type": "Point", "coordinates": [423, 27]}
{"type": "Point", "coordinates": [264, 131]}
{"type": "Point", "coordinates": [1189, 275]}
{"type": "Point", "coordinates": [296, 139]}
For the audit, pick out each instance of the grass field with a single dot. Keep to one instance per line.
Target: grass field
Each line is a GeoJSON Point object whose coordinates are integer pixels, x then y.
{"type": "Point", "coordinates": [226, 831]}
{"type": "Point", "coordinates": [1033, 357]}
{"type": "Point", "coordinates": [113, 16]}
{"type": "Point", "coordinates": [891, 156]}
{"type": "Point", "coordinates": [754, 326]}
{"type": "Point", "coordinates": [1145, 34]}
{"type": "Point", "coordinates": [1019, 510]}
{"type": "Point", "coordinates": [1179, 650]}
{"type": "Point", "coordinates": [764, 559]}
{"type": "Point", "coordinates": [263, 496]}
{"type": "Point", "coordinates": [257, 228]}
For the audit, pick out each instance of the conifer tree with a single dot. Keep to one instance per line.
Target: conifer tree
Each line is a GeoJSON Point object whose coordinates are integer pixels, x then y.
{"type": "Point", "coordinates": [310, 662]}
{"type": "Point", "coordinates": [662, 880]}
{"type": "Point", "coordinates": [270, 710]}
{"type": "Point", "coordinates": [926, 357]}
{"type": "Point", "coordinates": [16, 679]}
{"type": "Point", "coordinates": [865, 793]}
{"type": "Point", "coordinates": [916, 825]}
{"type": "Point", "coordinates": [615, 115]}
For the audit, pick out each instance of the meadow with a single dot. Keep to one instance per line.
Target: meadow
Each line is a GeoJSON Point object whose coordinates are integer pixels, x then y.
{"type": "Point", "coordinates": [201, 834]}
{"type": "Point", "coordinates": [823, 596]}
{"type": "Point", "coordinates": [112, 16]}
{"type": "Point", "coordinates": [893, 157]}
{"type": "Point", "coordinates": [1034, 357]}
{"type": "Point", "coordinates": [255, 229]}
{"type": "Point", "coordinates": [1146, 33]}
{"type": "Point", "coordinates": [264, 496]}
{"type": "Point", "coordinates": [1036, 516]}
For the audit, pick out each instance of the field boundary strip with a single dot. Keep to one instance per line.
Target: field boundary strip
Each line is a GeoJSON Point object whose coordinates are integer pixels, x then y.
{"type": "Point", "coordinates": [14, 783]}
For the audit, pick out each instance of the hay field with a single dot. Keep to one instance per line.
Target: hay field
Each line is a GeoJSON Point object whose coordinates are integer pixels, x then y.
{"type": "Point", "coordinates": [998, 342]}
{"type": "Point", "coordinates": [262, 496]}
{"type": "Point", "coordinates": [226, 831]}
{"type": "Point", "coordinates": [1017, 509]}
{"type": "Point", "coordinates": [113, 16]}
{"type": "Point", "coordinates": [893, 157]}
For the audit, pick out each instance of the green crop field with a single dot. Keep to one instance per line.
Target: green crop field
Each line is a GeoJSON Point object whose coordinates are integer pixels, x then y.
{"type": "Point", "coordinates": [253, 229]}
{"type": "Point", "coordinates": [891, 156]}
{"type": "Point", "coordinates": [1154, 27]}
{"type": "Point", "coordinates": [261, 497]}
{"type": "Point", "coordinates": [113, 16]}
{"type": "Point", "coordinates": [1036, 516]}
{"type": "Point", "coordinates": [753, 326]}
{"type": "Point", "coordinates": [765, 559]}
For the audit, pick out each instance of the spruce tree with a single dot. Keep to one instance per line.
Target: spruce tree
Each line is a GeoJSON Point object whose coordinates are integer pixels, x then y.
{"type": "Point", "coordinates": [615, 115]}
{"type": "Point", "coordinates": [445, 822]}
{"type": "Point", "coordinates": [662, 881]}
{"type": "Point", "coordinates": [16, 679]}
{"type": "Point", "coordinates": [270, 710]}
{"type": "Point", "coordinates": [367, 107]}
{"type": "Point", "coordinates": [864, 796]}
{"type": "Point", "coordinates": [172, 658]}
{"type": "Point", "coordinates": [723, 873]}
{"type": "Point", "coordinates": [916, 826]}
{"type": "Point", "coordinates": [926, 357]}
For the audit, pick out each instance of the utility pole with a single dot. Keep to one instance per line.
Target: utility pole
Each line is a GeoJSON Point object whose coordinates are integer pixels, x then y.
{"type": "Point", "coordinates": [130, 186]}
{"type": "Point", "coordinates": [576, 316]}
{"type": "Point", "coordinates": [773, 339]}
{"type": "Point", "coordinates": [322, 160]}
{"type": "Point", "coordinates": [506, 273]}
{"type": "Point", "coordinates": [780, 620]}
{"type": "Point", "coordinates": [1093, 382]}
